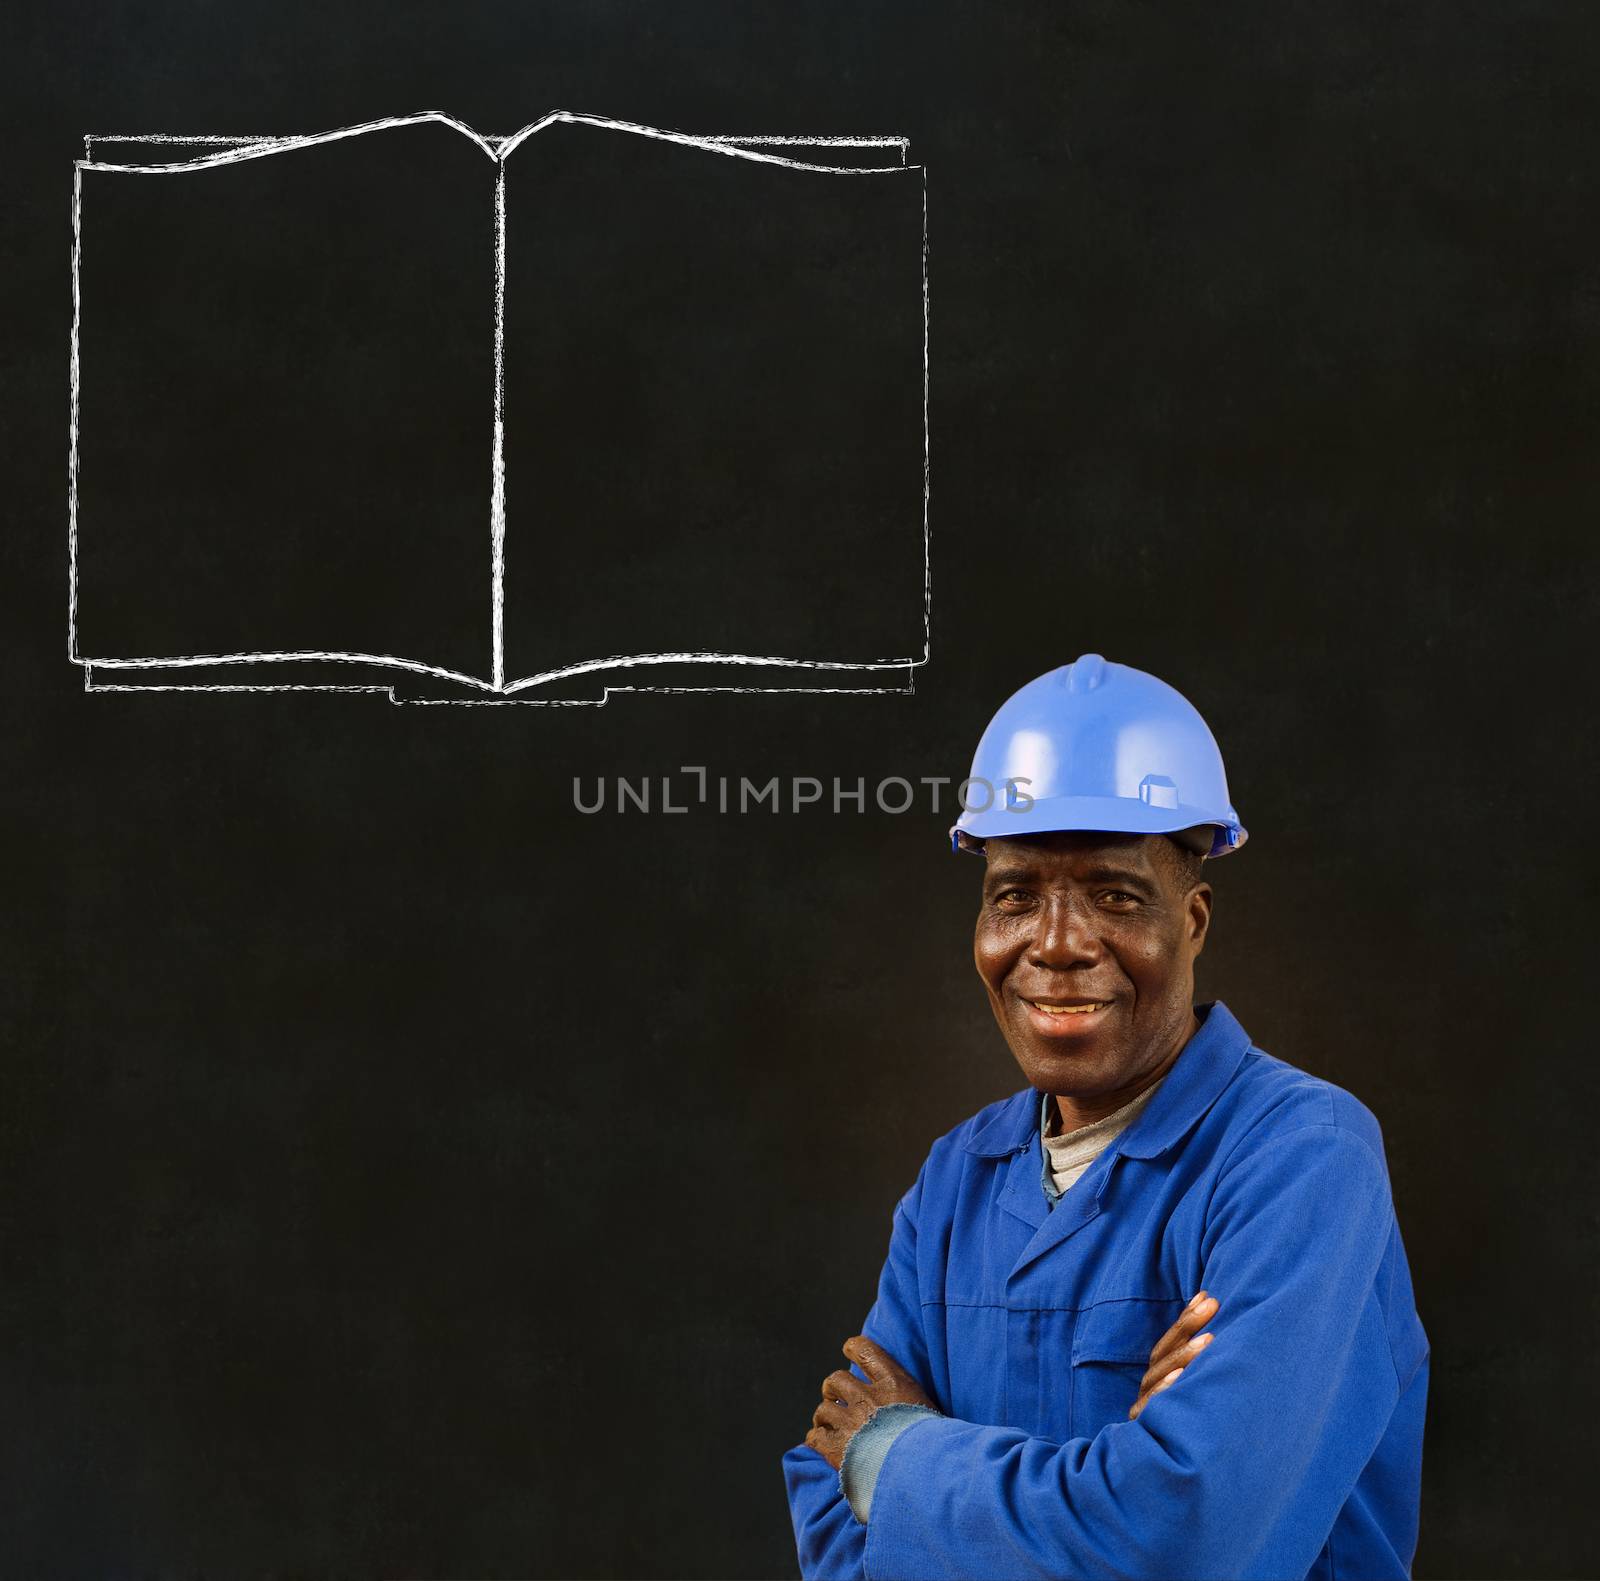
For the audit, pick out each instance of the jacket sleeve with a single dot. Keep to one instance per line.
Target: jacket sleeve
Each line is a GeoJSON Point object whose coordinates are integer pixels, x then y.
{"type": "Point", "coordinates": [1240, 1468]}
{"type": "Point", "coordinates": [829, 1539]}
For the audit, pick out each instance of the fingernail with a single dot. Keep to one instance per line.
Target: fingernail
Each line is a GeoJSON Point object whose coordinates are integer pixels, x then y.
{"type": "Point", "coordinates": [1200, 1341]}
{"type": "Point", "coordinates": [1167, 1382]}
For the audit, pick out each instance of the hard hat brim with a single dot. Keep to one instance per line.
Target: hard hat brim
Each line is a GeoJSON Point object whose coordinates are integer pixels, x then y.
{"type": "Point", "coordinates": [1104, 814]}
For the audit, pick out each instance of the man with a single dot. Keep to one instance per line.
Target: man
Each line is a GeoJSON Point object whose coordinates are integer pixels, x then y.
{"type": "Point", "coordinates": [1032, 1395]}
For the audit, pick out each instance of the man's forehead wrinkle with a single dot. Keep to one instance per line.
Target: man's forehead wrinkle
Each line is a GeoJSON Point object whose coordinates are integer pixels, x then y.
{"type": "Point", "coordinates": [1099, 874]}
{"type": "Point", "coordinates": [1019, 857]}
{"type": "Point", "coordinates": [1106, 874]}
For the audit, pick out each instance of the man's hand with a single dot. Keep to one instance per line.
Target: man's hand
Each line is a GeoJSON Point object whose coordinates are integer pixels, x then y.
{"type": "Point", "coordinates": [1176, 1349]}
{"type": "Point", "coordinates": [847, 1402]}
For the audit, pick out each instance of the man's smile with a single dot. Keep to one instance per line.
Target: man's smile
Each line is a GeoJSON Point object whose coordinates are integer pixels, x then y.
{"type": "Point", "coordinates": [1068, 1017]}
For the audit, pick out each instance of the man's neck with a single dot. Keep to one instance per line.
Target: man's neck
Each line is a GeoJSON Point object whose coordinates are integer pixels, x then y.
{"type": "Point", "coordinates": [1074, 1113]}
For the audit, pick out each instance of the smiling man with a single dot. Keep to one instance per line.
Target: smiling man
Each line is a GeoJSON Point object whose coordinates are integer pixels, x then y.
{"type": "Point", "coordinates": [1032, 1394]}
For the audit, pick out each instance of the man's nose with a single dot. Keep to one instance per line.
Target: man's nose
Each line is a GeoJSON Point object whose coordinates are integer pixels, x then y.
{"type": "Point", "coordinates": [1065, 937]}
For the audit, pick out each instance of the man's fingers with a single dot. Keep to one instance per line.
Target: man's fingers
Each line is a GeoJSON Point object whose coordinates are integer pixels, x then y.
{"type": "Point", "coordinates": [1196, 1315]}
{"type": "Point", "coordinates": [1179, 1359]}
{"type": "Point", "coordinates": [827, 1443]}
{"type": "Point", "coordinates": [1176, 1349]}
{"type": "Point", "coordinates": [1146, 1393]}
{"type": "Point", "coordinates": [842, 1385]}
{"type": "Point", "coordinates": [829, 1414]}
{"type": "Point", "coordinates": [873, 1359]}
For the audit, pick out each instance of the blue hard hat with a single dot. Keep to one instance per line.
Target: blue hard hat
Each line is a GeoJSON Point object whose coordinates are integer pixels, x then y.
{"type": "Point", "coordinates": [1096, 745]}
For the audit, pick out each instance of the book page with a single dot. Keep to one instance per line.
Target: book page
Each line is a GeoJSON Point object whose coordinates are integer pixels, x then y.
{"type": "Point", "coordinates": [285, 406]}
{"type": "Point", "coordinates": [714, 409]}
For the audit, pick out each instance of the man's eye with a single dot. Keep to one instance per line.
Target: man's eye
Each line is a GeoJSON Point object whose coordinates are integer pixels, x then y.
{"type": "Point", "coordinates": [1012, 897]}
{"type": "Point", "coordinates": [1120, 897]}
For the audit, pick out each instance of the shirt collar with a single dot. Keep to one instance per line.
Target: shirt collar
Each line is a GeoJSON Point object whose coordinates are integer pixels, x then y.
{"type": "Point", "coordinates": [1204, 1067]}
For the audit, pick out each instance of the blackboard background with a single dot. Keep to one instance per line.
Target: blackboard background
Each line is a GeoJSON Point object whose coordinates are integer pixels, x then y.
{"type": "Point", "coordinates": [403, 1173]}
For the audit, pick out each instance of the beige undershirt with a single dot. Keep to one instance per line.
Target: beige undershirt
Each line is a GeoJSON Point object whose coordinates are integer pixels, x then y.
{"type": "Point", "coordinates": [1074, 1152]}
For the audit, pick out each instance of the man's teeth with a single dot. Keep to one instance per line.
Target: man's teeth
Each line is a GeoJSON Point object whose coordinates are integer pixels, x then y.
{"type": "Point", "coordinates": [1070, 1010]}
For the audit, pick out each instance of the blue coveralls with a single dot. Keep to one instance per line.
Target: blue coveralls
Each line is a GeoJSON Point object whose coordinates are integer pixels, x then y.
{"type": "Point", "coordinates": [1290, 1447]}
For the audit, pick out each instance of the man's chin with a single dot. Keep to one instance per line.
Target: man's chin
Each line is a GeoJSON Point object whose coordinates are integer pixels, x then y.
{"type": "Point", "coordinates": [1068, 1066]}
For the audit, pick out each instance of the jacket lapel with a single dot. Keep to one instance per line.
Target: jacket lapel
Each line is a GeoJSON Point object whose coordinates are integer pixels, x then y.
{"type": "Point", "coordinates": [1077, 1208]}
{"type": "Point", "coordinates": [1023, 1196]}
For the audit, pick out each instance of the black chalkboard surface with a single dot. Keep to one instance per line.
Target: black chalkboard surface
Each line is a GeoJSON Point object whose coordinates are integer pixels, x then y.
{"type": "Point", "coordinates": [418, 1159]}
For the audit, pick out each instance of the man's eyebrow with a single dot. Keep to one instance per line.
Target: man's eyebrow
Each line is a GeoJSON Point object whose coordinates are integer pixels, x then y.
{"type": "Point", "coordinates": [1103, 874]}
{"type": "Point", "coordinates": [1010, 875]}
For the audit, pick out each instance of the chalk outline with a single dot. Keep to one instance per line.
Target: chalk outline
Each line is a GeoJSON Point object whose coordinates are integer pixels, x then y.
{"type": "Point", "coordinates": [502, 700]}
{"type": "Point", "coordinates": [239, 148]}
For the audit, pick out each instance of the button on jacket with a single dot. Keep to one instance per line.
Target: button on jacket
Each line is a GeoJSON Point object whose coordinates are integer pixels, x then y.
{"type": "Point", "coordinates": [1291, 1446]}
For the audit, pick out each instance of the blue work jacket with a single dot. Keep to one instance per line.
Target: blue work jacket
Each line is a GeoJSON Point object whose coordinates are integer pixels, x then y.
{"type": "Point", "coordinates": [1291, 1446]}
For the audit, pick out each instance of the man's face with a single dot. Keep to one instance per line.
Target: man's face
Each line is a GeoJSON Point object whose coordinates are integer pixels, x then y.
{"type": "Point", "coordinates": [1086, 943]}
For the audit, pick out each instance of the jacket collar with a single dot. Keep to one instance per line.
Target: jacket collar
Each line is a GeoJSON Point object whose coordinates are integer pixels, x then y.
{"type": "Point", "coordinates": [1204, 1067]}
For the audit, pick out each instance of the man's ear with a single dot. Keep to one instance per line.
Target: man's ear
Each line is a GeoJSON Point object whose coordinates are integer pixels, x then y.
{"type": "Point", "coordinates": [1198, 908]}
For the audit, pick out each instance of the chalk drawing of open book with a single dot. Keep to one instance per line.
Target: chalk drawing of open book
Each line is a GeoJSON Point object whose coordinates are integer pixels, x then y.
{"type": "Point", "coordinates": [596, 407]}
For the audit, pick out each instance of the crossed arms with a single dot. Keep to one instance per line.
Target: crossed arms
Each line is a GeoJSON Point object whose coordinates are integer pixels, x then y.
{"type": "Point", "coordinates": [1235, 1474]}
{"type": "Point", "coordinates": [848, 1404]}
